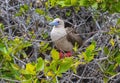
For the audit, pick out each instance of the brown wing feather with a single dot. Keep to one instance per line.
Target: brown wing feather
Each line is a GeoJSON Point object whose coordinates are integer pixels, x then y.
{"type": "Point", "coordinates": [73, 37]}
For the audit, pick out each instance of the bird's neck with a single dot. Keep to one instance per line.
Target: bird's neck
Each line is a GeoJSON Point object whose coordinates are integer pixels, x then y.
{"type": "Point", "coordinates": [59, 28]}
{"type": "Point", "coordinates": [57, 33]}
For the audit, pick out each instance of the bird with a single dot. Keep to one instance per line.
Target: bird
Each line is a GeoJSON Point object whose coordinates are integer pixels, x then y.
{"type": "Point", "coordinates": [64, 38]}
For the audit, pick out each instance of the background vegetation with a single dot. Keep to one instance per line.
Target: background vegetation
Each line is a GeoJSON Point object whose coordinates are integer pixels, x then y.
{"type": "Point", "coordinates": [27, 54]}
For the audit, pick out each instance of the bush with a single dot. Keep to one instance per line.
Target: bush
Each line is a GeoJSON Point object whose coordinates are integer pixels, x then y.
{"type": "Point", "coordinates": [27, 54]}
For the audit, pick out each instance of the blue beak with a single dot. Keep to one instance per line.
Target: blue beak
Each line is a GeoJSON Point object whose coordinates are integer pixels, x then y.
{"type": "Point", "coordinates": [54, 23]}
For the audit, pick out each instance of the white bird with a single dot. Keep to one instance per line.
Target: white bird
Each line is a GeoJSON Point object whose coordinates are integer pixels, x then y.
{"type": "Point", "coordinates": [64, 38]}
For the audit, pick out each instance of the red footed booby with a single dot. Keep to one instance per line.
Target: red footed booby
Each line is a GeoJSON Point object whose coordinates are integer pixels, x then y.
{"type": "Point", "coordinates": [64, 38]}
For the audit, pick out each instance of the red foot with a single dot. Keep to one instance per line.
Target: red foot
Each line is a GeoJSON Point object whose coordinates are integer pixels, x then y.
{"type": "Point", "coordinates": [62, 55]}
{"type": "Point", "coordinates": [68, 54]}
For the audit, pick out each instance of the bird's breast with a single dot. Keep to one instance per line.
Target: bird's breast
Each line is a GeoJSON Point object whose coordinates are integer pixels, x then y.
{"type": "Point", "coordinates": [57, 33]}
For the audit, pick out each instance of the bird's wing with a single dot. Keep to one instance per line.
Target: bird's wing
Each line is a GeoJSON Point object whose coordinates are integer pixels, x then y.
{"type": "Point", "coordinates": [73, 37]}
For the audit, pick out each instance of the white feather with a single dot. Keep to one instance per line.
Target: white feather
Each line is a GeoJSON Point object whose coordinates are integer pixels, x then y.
{"type": "Point", "coordinates": [57, 33]}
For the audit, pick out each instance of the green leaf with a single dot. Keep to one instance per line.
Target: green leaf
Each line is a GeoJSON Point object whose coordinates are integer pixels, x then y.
{"type": "Point", "coordinates": [117, 7]}
{"type": "Point", "coordinates": [67, 1]}
{"type": "Point", "coordinates": [112, 42]}
{"type": "Point", "coordinates": [44, 35]}
{"type": "Point", "coordinates": [52, 2]}
{"type": "Point", "coordinates": [40, 64]}
{"type": "Point", "coordinates": [117, 59]}
{"type": "Point", "coordinates": [55, 54]}
{"type": "Point", "coordinates": [75, 48]}
{"type": "Point", "coordinates": [26, 44]}
{"type": "Point", "coordinates": [62, 3]}
{"type": "Point", "coordinates": [106, 50]}
{"type": "Point", "coordinates": [18, 14]}
{"type": "Point", "coordinates": [88, 58]}
{"type": "Point", "coordinates": [26, 7]}
{"type": "Point", "coordinates": [68, 13]}
{"type": "Point", "coordinates": [39, 11]}
{"type": "Point", "coordinates": [83, 2]}
{"type": "Point", "coordinates": [89, 53]}
{"type": "Point", "coordinates": [105, 79]}
{"type": "Point", "coordinates": [27, 81]}
{"type": "Point", "coordinates": [36, 80]}
{"type": "Point", "coordinates": [54, 65]}
{"type": "Point", "coordinates": [15, 66]}
{"type": "Point", "coordinates": [50, 74]}
{"type": "Point", "coordinates": [30, 69]}
{"type": "Point", "coordinates": [118, 21]}
{"type": "Point", "coordinates": [110, 70]}
{"type": "Point", "coordinates": [1, 26]}
{"type": "Point", "coordinates": [6, 54]}
{"type": "Point", "coordinates": [65, 65]}
{"type": "Point", "coordinates": [48, 18]}
{"type": "Point", "coordinates": [74, 2]}
{"type": "Point", "coordinates": [103, 5]}
{"type": "Point", "coordinates": [91, 47]}
{"type": "Point", "coordinates": [89, 50]}
{"type": "Point", "coordinates": [95, 5]}
{"type": "Point", "coordinates": [2, 46]}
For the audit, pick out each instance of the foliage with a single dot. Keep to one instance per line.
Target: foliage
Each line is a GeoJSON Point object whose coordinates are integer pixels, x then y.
{"type": "Point", "coordinates": [16, 65]}
{"type": "Point", "coordinates": [105, 5]}
{"type": "Point", "coordinates": [23, 9]}
{"type": "Point", "coordinates": [90, 52]}
{"type": "Point", "coordinates": [29, 74]}
{"type": "Point", "coordinates": [9, 50]}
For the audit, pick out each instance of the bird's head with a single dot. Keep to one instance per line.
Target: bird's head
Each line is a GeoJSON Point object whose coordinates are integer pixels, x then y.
{"type": "Point", "coordinates": [57, 23]}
